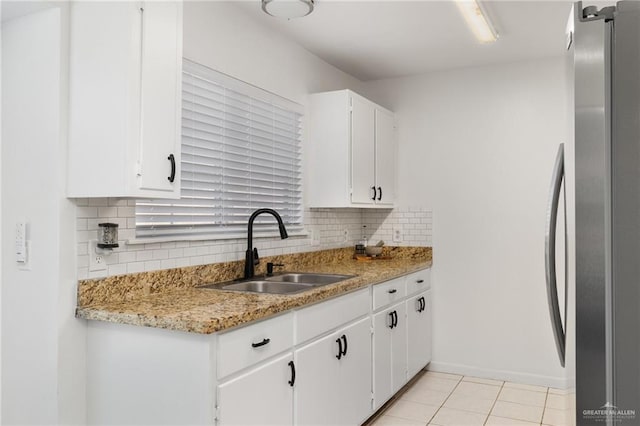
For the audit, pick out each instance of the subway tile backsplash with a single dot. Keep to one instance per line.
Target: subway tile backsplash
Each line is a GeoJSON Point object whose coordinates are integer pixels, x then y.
{"type": "Point", "coordinates": [327, 228]}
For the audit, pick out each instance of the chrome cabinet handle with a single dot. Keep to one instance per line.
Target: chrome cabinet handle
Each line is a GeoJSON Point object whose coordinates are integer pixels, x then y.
{"type": "Point", "coordinates": [550, 254]}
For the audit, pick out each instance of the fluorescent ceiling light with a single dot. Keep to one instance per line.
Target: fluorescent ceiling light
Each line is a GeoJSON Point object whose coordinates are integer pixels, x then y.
{"type": "Point", "coordinates": [288, 8]}
{"type": "Point", "coordinates": [477, 20]}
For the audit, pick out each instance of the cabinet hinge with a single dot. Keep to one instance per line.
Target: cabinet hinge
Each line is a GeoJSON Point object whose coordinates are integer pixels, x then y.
{"type": "Point", "coordinates": [371, 328]}
{"type": "Point", "coordinates": [217, 414]}
{"type": "Point", "coordinates": [138, 169]}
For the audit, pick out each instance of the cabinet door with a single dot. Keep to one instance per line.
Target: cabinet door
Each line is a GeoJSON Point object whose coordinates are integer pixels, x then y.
{"type": "Point", "coordinates": [161, 24]}
{"type": "Point", "coordinates": [419, 332]}
{"type": "Point", "coordinates": [399, 348]}
{"type": "Point", "coordinates": [317, 384]}
{"type": "Point", "coordinates": [355, 374]}
{"type": "Point", "coordinates": [362, 151]}
{"type": "Point", "coordinates": [382, 348]}
{"type": "Point", "coordinates": [389, 352]}
{"type": "Point", "coordinates": [385, 157]}
{"type": "Point", "coordinates": [262, 396]}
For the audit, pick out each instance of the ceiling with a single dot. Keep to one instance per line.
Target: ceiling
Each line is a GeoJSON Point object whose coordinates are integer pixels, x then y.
{"type": "Point", "coordinates": [381, 39]}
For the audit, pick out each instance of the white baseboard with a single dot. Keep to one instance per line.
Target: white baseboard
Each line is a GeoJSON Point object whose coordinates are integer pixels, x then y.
{"type": "Point", "coordinates": [511, 376]}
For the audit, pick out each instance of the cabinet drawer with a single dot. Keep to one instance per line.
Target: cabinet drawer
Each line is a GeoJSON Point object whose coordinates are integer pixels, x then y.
{"type": "Point", "coordinates": [418, 281]}
{"type": "Point", "coordinates": [388, 292]}
{"type": "Point", "coordinates": [248, 345]}
{"type": "Point", "coordinates": [325, 316]}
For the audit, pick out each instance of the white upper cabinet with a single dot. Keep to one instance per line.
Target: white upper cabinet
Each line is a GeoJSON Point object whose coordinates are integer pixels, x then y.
{"type": "Point", "coordinates": [363, 176]}
{"type": "Point", "coordinates": [385, 158]}
{"type": "Point", "coordinates": [352, 152]}
{"type": "Point", "coordinates": [125, 99]}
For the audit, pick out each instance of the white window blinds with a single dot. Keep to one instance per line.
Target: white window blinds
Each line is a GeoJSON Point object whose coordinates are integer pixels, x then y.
{"type": "Point", "coordinates": [240, 152]}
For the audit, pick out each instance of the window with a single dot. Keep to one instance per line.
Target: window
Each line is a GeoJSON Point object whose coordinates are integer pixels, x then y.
{"type": "Point", "coordinates": [240, 152]}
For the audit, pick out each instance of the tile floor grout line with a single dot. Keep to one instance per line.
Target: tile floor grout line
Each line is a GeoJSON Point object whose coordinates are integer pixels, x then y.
{"type": "Point", "coordinates": [544, 407]}
{"type": "Point", "coordinates": [494, 403]}
{"type": "Point", "coordinates": [445, 400]}
{"type": "Point", "coordinates": [462, 409]}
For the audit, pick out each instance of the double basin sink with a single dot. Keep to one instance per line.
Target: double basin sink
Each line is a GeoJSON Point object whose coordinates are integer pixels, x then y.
{"type": "Point", "coordinates": [283, 283]}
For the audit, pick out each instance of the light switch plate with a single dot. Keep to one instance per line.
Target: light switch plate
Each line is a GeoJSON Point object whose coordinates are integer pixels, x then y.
{"type": "Point", "coordinates": [397, 234]}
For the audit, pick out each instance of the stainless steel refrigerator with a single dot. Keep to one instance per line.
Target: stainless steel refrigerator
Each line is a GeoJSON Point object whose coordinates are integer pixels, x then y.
{"type": "Point", "coordinates": [595, 306]}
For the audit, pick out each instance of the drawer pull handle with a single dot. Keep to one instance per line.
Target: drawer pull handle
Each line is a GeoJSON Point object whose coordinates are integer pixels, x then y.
{"type": "Point", "coordinates": [257, 345]}
{"type": "Point", "coordinates": [393, 290]}
{"type": "Point", "coordinates": [293, 373]}
{"type": "Point", "coordinates": [344, 339]}
{"type": "Point", "coordinates": [421, 304]}
{"type": "Point", "coordinates": [420, 281]}
{"type": "Point", "coordinates": [339, 342]}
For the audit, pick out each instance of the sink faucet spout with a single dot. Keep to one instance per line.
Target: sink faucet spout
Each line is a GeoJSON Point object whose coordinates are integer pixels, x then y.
{"type": "Point", "coordinates": [251, 256]}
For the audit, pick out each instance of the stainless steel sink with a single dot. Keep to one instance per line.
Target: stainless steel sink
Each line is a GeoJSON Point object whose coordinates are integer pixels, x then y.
{"type": "Point", "coordinates": [307, 278]}
{"type": "Point", "coordinates": [268, 287]}
{"type": "Point", "coordinates": [285, 283]}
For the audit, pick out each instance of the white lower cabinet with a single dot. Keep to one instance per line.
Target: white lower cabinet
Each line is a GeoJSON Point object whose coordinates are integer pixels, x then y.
{"type": "Point", "coordinates": [389, 352]}
{"type": "Point", "coordinates": [333, 386]}
{"type": "Point", "coordinates": [419, 332]}
{"type": "Point", "coordinates": [319, 365]}
{"type": "Point", "coordinates": [262, 396]}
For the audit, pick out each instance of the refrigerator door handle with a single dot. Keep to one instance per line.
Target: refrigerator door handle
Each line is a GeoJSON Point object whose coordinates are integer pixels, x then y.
{"type": "Point", "coordinates": [550, 254]}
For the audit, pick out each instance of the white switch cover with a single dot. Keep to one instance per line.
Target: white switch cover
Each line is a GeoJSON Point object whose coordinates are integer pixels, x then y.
{"type": "Point", "coordinates": [97, 262]}
{"type": "Point", "coordinates": [314, 236]}
{"type": "Point", "coordinates": [21, 242]}
{"type": "Point", "coordinates": [397, 234]}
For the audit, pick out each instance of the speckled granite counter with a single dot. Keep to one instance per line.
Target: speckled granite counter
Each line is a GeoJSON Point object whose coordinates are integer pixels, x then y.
{"type": "Point", "coordinates": [170, 298]}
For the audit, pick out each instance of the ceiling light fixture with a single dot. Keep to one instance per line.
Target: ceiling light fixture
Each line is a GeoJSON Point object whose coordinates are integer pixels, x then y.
{"type": "Point", "coordinates": [288, 8]}
{"type": "Point", "coordinates": [477, 19]}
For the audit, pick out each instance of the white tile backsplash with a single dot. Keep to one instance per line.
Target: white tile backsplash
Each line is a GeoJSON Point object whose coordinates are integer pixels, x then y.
{"type": "Point", "coordinates": [414, 224]}
{"type": "Point", "coordinates": [326, 230]}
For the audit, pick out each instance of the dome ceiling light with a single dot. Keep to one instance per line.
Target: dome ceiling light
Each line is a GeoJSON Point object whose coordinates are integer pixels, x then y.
{"type": "Point", "coordinates": [288, 8]}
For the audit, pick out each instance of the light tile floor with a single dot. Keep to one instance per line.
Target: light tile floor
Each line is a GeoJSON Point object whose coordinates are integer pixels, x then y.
{"type": "Point", "coordinates": [451, 400]}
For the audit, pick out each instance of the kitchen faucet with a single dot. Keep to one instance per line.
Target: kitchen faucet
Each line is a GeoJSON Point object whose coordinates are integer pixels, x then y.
{"type": "Point", "coordinates": [252, 258]}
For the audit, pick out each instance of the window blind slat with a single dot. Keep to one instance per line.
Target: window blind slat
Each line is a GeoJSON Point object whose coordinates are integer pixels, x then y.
{"type": "Point", "coordinates": [240, 152]}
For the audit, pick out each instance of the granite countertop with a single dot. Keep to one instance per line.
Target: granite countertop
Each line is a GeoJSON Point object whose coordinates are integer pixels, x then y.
{"type": "Point", "coordinates": [198, 310]}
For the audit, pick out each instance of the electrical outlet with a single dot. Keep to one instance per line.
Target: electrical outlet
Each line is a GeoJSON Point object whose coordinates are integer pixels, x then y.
{"type": "Point", "coordinates": [397, 234]}
{"type": "Point", "coordinates": [346, 235]}
{"type": "Point", "coordinates": [97, 262]}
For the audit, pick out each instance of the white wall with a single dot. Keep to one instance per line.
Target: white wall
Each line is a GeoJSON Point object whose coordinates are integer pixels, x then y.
{"type": "Point", "coordinates": [42, 343]}
{"type": "Point", "coordinates": [477, 146]}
